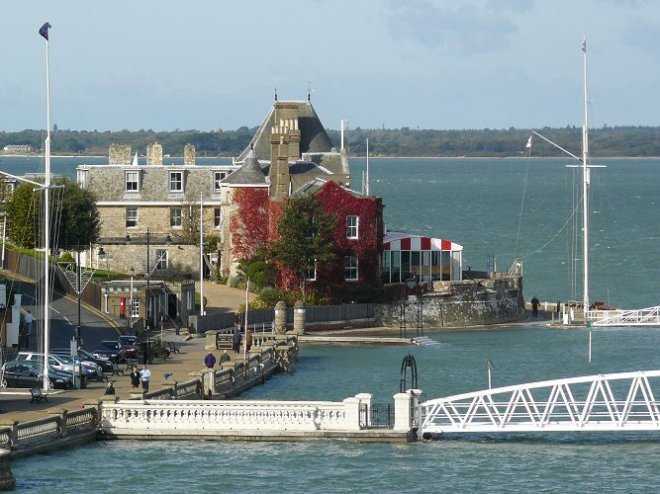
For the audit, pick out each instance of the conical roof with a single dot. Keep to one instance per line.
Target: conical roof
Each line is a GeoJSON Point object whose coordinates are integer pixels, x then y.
{"type": "Point", "coordinates": [248, 174]}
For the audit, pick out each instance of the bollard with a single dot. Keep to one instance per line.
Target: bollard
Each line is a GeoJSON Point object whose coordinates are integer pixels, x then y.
{"type": "Point", "coordinates": [299, 317]}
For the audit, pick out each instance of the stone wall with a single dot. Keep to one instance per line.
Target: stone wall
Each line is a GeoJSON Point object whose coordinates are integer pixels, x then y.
{"type": "Point", "coordinates": [460, 304]}
{"type": "Point", "coordinates": [156, 219]}
{"type": "Point", "coordinates": [182, 260]}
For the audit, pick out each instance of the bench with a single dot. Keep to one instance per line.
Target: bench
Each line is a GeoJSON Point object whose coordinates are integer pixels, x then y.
{"type": "Point", "coordinates": [224, 341]}
{"type": "Point", "coordinates": [173, 347]}
{"type": "Point", "coordinates": [38, 396]}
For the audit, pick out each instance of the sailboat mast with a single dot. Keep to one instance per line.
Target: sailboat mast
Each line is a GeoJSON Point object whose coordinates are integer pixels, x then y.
{"type": "Point", "coordinates": [46, 220]}
{"type": "Point", "coordinates": [585, 184]}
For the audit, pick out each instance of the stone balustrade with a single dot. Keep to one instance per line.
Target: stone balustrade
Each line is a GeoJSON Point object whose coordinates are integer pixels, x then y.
{"type": "Point", "coordinates": [204, 418]}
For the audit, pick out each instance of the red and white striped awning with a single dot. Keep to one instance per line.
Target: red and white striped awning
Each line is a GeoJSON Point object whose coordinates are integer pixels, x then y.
{"type": "Point", "coordinates": [398, 241]}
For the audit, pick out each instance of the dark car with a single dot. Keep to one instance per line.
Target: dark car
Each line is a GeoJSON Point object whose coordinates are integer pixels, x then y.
{"type": "Point", "coordinates": [27, 374]}
{"type": "Point", "coordinates": [111, 350]}
{"type": "Point", "coordinates": [130, 345]}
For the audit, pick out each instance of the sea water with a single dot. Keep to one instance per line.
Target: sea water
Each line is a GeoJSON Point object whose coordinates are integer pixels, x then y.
{"type": "Point", "coordinates": [553, 463]}
{"type": "Point", "coordinates": [511, 208]}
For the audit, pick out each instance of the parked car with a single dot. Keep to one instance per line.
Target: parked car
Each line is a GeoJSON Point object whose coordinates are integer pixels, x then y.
{"type": "Point", "coordinates": [57, 362]}
{"type": "Point", "coordinates": [54, 361]}
{"type": "Point", "coordinates": [27, 374]}
{"type": "Point", "coordinates": [111, 350]}
{"type": "Point", "coordinates": [130, 346]}
{"type": "Point", "coordinates": [91, 369]}
{"type": "Point", "coordinates": [105, 364]}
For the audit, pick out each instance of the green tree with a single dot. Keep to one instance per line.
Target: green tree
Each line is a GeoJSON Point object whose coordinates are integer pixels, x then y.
{"type": "Point", "coordinates": [22, 210]}
{"type": "Point", "coordinates": [73, 212]}
{"type": "Point", "coordinates": [305, 237]}
{"type": "Point", "coordinates": [79, 223]}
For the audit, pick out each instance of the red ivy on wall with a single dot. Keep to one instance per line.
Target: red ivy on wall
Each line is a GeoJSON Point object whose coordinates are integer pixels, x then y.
{"type": "Point", "coordinates": [367, 247]}
{"type": "Point", "coordinates": [255, 223]}
{"type": "Point", "coordinates": [250, 222]}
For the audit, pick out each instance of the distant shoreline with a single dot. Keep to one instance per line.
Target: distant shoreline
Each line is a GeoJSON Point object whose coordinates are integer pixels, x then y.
{"type": "Point", "coordinates": [356, 156]}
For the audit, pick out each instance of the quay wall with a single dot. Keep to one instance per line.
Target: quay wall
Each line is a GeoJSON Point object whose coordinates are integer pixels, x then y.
{"type": "Point", "coordinates": [61, 428]}
{"type": "Point", "coordinates": [473, 302]}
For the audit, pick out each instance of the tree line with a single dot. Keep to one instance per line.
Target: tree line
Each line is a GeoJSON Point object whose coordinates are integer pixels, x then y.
{"type": "Point", "coordinates": [628, 141]}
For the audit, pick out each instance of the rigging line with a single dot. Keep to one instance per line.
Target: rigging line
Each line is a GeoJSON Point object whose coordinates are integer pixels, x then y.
{"type": "Point", "coordinates": [522, 203]}
{"type": "Point", "coordinates": [552, 239]}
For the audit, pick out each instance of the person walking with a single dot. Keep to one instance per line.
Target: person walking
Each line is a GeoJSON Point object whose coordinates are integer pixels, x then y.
{"type": "Point", "coordinates": [236, 340]}
{"type": "Point", "coordinates": [145, 376]}
{"type": "Point", "coordinates": [135, 377]}
{"type": "Point", "coordinates": [535, 307]}
{"type": "Point", "coordinates": [209, 360]}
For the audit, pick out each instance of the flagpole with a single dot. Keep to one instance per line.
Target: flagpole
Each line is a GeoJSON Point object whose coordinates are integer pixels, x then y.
{"type": "Point", "coordinates": [366, 189]}
{"type": "Point", "coordinates": [201, 260]}
{"type": "Point", "coordinates": [46, 312]}
{"type": "Point", "coordinates": [585, 187]}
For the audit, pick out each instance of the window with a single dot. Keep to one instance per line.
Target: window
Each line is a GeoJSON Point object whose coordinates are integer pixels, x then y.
{"type": "Point", "coordinates": [352, 226]}
{"type": "Point", "coordinates": [217, 217]}
{"type": "Point", "coordinates": [131, 217]}
{"type": "Point", "coordinates": [176, 181]}
{"type": "Point", "coordinates": [217, 178]}
{"type": "Point", "coordinates": [135, 308]}
{"type": "Point", "coordinates": [350, 268]}
{"type": "Point", "coordinates": [176, 217]}
{"type": "Point", "coordinates": [161, 259]}
{"type": "Point", "coordinates": [132, 180]}
{"type": "Point", "coordinates": [310, 274]}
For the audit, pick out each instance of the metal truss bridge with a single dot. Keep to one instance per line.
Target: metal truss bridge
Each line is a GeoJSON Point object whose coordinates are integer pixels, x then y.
{"type": "Point", "coordinates": [600, 403]}
{"type": "Point", "coordinates": [638, 317]}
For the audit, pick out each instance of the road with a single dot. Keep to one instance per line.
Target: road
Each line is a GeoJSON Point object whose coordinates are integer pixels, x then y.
{"type": "Point", "coordinates": [64, 319]}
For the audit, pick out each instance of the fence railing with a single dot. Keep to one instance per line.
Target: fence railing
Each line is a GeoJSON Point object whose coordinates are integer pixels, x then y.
{"type": "Point", "coordinates": [25, 436]}
{"type": "Point", "coordinates": [92, 295]}
{"type": "Point", "coordinates": [32, 268]}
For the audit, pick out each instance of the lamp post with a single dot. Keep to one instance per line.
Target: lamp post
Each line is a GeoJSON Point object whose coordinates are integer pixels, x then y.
{"type": "Point", "coordinates": [147, 296]}
{"type": "Point", "coordinates": [130, 300]}
{"type": "Point", "coordinates": [78, 283]}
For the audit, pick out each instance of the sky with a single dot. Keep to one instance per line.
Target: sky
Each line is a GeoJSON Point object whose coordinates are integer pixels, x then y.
{"type": "Point", "coordinates": [429, 64]}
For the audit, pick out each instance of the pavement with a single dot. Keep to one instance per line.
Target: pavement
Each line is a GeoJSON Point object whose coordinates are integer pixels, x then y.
{"type": "Point", "coordinates": [15, 402]}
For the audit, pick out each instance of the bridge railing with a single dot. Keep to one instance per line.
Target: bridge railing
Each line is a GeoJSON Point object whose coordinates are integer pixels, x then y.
{"type": "Point", "coordinates": [622, 401]}
{"type": "Point", "coordinates": [649, 316]}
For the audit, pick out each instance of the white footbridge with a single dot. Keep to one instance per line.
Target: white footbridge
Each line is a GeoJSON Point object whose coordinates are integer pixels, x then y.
{"type": "Point", "coordinates": [649, 316]}
{"type": "Point", "coordinates": [622, 402]}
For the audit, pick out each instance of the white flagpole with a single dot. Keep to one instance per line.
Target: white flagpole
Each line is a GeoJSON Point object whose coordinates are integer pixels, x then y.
{"type": "Point", "coordinates": [201, 259]}
{"type": "Point", "coordinates": [46, 287]}
{"type": "Point", "coordinates": [585, 186]}
{"type": "Point", "coordinates": [366, 189]}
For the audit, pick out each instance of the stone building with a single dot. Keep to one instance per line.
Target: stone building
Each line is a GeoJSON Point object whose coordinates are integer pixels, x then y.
{"type": "Point", "coordinates": [291, 154]}
{"type": "Point", "coordinates": [151, 212]}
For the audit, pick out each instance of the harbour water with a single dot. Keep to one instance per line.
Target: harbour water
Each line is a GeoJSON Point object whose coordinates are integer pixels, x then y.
{"type": "Point", "coordinates": [508, 207]}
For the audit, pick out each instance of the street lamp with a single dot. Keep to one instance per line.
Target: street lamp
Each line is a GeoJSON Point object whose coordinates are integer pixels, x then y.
{"type": "Point", "coordinates": [78, 284]}
{"type": "Point", "coordinates": [130, 300]}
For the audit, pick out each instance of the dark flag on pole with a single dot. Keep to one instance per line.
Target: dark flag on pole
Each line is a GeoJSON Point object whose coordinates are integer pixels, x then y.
{"type": "Point", "coordinates": [44, 30]}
